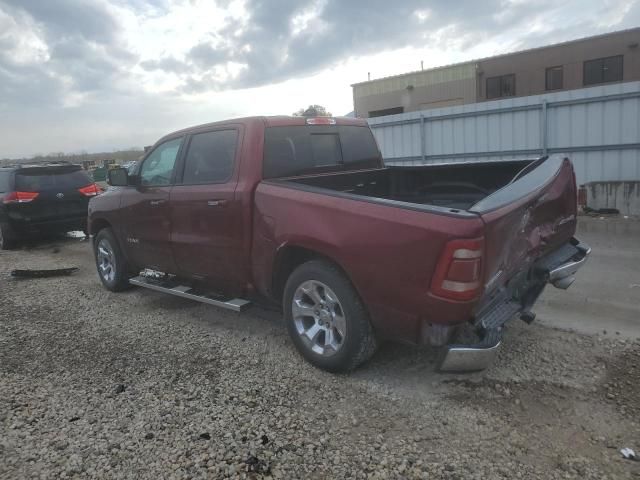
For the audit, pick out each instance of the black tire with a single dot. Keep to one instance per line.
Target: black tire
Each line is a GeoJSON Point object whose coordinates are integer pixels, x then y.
{"type": "Point", "coordinates": [359, 342]}
{"type": "Point", "coordinates": [7, 236]}
{"type": "Point", "coordinates": [119, 281]}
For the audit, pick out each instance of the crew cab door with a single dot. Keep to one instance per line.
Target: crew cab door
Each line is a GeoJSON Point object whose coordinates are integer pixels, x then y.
{"type": "Point", "coordinates": [206, 219]}
{"type": "Point", "coordinates": [145, 208]}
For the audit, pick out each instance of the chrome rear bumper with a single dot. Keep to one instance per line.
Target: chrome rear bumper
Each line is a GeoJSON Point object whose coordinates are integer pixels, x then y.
{"type": "Point", "coordinates": [558, 268]}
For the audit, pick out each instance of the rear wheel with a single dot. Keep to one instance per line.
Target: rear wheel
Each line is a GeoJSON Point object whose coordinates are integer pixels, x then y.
{"type": "Point", "coordinates": [7, 236]}
{"type": "Point", "coordinates": [110, 262]}
{"type": "Point", "coordinates": [326, 318]}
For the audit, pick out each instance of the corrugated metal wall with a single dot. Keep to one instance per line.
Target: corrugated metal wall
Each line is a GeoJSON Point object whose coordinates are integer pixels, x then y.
{"type": "Point", "coordinates": [598, 128]}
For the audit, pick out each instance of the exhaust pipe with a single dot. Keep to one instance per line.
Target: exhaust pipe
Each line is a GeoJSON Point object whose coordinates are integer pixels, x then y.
{"type": "Point", "coordinates": [468, 358]}
{"type": "Point", "coordinates": [564, 275]}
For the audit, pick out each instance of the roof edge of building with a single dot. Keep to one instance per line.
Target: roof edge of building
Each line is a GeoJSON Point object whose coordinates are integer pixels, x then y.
{"type": "Point", "coordinates": [501, 55]}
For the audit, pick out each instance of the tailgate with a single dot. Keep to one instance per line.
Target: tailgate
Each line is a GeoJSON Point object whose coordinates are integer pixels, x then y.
{"type": "Point", "coordinates": [530, 217]}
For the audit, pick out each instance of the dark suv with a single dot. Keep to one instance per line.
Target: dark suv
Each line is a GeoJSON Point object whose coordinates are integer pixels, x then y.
{"type": "Point", "coordinates": [45, 198]}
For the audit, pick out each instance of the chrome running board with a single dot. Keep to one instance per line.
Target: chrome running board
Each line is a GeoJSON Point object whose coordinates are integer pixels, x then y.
{"type": "Point", "coordinates": [235, 304]}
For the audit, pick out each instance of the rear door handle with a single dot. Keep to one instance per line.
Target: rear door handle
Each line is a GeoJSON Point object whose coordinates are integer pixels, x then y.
{"type": "Point", "coordinates": [216, 203]}
{"type": "Point", "coordinates": [155, 203]}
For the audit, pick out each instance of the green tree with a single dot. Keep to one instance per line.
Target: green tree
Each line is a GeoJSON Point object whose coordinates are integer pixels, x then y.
{"type": "Point", "coordinates": [313, 111]}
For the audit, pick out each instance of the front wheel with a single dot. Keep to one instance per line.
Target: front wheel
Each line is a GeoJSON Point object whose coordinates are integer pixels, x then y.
{"type": "Point", "coordinates": [110, 262]}
{"type": "Point", "coordinates": [326, 318]}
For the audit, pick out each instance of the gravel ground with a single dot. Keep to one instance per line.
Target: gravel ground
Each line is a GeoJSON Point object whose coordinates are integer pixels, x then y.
{"type": "Point", "coordinates": [142, 385]}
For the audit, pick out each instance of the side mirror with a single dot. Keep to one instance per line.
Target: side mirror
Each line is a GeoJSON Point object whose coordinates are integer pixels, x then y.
{"type": "Point", "coordinates": [118, 177]}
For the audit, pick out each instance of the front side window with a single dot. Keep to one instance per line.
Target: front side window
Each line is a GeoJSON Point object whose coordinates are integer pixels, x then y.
{"type": "Point", "coordinates": [502, 86]}
{"type": "Point", "coordinates": [603, 70]}
{"type": "Point", "coordinates": [157, 168]}
{"type": "Point", "coordinates": [210, 157]}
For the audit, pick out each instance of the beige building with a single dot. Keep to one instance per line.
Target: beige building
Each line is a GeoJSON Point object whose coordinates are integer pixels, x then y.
{"type": "Point", "coordinates": [603, 59]}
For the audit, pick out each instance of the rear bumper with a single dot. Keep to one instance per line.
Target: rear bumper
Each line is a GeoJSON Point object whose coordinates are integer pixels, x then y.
{"type": "Point", "coordinates": [515, 299]}
{"type": "Point", "coordinates": [26, 227]}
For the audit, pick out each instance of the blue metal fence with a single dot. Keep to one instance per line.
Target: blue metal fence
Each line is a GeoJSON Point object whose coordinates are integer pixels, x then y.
{"type": "Point", "coordinates": [597, 127]}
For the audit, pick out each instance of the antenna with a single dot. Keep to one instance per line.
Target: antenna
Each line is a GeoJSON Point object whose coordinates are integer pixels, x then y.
{"type": "Point", "coordinates": [368, 75]}
{"type": "Point", "coordinates": [421, 64]}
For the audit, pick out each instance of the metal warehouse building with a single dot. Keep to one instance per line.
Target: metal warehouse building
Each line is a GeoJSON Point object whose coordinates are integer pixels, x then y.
{"type": "Point", "coordinates": [603, 59]}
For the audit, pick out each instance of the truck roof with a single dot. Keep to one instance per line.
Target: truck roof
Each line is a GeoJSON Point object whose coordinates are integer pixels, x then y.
{"type": "Point", "coordinates": [269, 121]}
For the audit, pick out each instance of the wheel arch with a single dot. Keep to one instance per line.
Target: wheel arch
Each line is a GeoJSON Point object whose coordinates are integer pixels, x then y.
{"type": "Point", "coordinates": [291, 256]}
{"type": "Point", "coordinates": [98, 224]}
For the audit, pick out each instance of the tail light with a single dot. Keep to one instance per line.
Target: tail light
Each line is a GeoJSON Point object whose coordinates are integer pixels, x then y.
{"type": "Point", "coordinates": [458, 275]}
{"type": "Point", "coordinates": [321, 121]}
{"type": "Point", "coordinates": [90, 190]}
{"type": "Point", "coordinates": [20, 197]}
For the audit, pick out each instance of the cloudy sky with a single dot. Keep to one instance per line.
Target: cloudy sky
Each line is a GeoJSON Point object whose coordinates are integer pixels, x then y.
{"type": "Point", "coordinates": [100, 75]}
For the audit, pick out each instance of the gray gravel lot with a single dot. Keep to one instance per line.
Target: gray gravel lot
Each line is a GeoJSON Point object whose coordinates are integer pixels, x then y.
{"type": "Point", "coordinates": [141, 385]}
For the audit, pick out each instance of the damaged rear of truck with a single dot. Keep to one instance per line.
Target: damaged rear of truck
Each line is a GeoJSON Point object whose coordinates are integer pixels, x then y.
{"type": "Point", "coordinates": [529, 228]}
{"type": "Point", "coordinates": [432, 248]}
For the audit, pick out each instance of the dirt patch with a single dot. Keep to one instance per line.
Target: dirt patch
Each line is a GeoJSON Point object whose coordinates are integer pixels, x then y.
{"type": "Point", "coordinates": [622, 385]}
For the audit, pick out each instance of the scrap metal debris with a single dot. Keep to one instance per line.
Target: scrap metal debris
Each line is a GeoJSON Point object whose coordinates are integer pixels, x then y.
{"type": "Point", "coordinates": [629, 454]}
{"type": "Point", "coordinates": [52, 272]}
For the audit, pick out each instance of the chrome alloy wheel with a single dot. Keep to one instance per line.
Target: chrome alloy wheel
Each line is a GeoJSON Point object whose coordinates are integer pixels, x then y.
{"type": "Point", "coordinates": [319, 318]}
{"type": "Point", "coordinates": [106, 261]}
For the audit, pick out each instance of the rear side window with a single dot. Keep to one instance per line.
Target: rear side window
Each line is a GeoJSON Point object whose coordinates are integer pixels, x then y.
{"type": "Point", "coordinates": [4, 182]}
{"type": "Point", "coordinates": [299, 150]}
{"type": "Point", "coordinates": [40, 179]}
{"type": "Point", "coordinates": [210, 157]}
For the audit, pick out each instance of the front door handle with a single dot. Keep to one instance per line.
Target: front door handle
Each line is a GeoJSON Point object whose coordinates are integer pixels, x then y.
{"type": "Point", "coordinates": [155, 203]}
{"type": "Point", "coordinates": [216, 203]}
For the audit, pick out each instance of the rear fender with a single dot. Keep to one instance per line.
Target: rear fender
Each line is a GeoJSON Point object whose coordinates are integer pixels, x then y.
{"type": "Point", "coordinates": [290, 255]}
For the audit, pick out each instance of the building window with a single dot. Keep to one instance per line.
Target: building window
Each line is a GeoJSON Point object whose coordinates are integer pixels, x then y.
{"type": "Point", "coordinates": [553, 78]}
{"type": "Point", "coordinates": [502, 86]}
{"type": "Point", "coordinates": [386, 111]}
{"type": "Point", "coordinates": [603, 70]}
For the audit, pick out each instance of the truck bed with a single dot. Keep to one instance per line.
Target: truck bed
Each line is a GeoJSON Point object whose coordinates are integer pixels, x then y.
{"type": "Point", "coordinates": [453, 186]}
{"type": "Point", "coordinates": [523, 210]}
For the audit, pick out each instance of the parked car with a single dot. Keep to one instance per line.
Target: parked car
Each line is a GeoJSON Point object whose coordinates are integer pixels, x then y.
{"type": "Point", "coordinates": [43, 198]}
{"type": "Point", "coordinates": [304, 212]}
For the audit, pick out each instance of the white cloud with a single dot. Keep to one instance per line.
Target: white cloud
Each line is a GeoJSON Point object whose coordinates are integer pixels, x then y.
{"type": "Point", "coordinates": [98, 74]}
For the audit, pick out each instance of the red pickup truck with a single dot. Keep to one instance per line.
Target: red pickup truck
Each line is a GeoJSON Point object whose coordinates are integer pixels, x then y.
{"type": "Point", "coordinates": [303, 211]}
